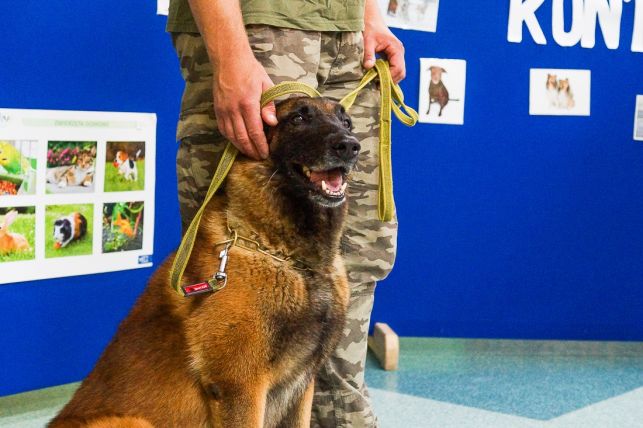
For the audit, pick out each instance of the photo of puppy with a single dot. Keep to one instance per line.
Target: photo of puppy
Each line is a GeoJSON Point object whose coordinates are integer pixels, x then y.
{"type": "Point", "coordinates": [68, 230]}
{"type": "Point", "coordinates": [555, 96]}
{"type": "Point", "coordinates": [71, 166]}
{"type": "Point", "coordinates": [442, 90]}
{"type": "Point", "coordinates": [124, 166]}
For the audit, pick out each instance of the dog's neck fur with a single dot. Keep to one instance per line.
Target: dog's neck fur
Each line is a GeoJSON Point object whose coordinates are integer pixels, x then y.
{"type": "Point", "coordinates": [261, 206]}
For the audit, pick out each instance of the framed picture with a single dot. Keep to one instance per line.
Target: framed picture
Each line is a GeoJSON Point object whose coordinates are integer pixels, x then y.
{"type": "Point", "coordinates": [559, 92]}
{"type": "Point", "coordinates": [442, 90]}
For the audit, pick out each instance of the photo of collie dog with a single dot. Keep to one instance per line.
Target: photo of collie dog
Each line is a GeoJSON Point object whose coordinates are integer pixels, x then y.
{"type": "Point", "coordinates": [71, 166]}
{"type": "Point", "coordinates": [68, 230]}
{"type": "Point", "coordinates": [124, 166]}
{"type": "Point", "coordinates": [17, 233]}
{"type": "Point", "coordinates": [559, 92]}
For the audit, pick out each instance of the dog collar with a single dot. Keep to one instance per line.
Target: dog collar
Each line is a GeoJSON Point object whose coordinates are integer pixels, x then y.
{"type": "Point", "coordinates": [220, 279]}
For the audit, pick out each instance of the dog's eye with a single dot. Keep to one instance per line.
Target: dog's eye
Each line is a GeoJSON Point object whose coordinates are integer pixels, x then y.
{"type": "Point", "coordinates": [347, 123]}
{"type": "Point", "coordinates": [297, 119]}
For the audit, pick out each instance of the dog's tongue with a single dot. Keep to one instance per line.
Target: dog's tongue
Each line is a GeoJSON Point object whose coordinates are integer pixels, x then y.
{"type": "Point", "coordinates": [333, 178]}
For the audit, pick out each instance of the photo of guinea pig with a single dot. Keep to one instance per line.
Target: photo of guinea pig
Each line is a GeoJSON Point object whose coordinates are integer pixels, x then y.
{"type": "Point", "coordinates": [69, 228]}
{"type": "Point", "coordinates": [11, 242]}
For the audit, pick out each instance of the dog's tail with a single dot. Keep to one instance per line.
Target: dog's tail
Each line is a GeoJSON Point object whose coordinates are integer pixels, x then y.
{"type": "Point", "coordinates": [138, 153]}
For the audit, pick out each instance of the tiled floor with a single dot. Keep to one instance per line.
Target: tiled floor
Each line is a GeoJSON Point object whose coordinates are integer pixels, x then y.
{"type": "Point", "coordinates": [462, 383]}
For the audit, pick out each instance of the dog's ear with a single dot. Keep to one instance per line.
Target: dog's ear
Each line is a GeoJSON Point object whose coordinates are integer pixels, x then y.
{"type": "Point", "coordinates": [443, 70]}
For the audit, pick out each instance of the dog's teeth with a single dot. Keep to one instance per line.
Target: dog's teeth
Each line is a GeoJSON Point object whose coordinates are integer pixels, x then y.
{"type": "Point", "coordinates": [324, 188]}
{"type": "Point", "coordinates": [344, 186]}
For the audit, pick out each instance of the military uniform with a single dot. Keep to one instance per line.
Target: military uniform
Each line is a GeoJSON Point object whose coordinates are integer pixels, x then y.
{"type": "Point", "coordinates": [329, 60]}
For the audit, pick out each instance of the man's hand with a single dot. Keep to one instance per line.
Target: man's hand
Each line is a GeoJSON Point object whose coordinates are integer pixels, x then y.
{"type": "Point", "coordinates": [379, 39]}
{"type": "Point", "coordinates": [237, 87]}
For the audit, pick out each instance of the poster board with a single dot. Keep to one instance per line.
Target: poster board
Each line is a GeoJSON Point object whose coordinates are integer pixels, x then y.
{"type": "Point", "coordinates": [76, 192]}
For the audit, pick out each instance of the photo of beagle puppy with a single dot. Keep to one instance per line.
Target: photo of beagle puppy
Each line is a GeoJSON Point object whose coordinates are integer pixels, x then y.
{"type": "Point", "coordinates": [126, 165]}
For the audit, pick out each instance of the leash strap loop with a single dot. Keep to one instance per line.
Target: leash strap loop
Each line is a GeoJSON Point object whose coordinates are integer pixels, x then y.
{"type": "Point", "coordinates": [391, 99]}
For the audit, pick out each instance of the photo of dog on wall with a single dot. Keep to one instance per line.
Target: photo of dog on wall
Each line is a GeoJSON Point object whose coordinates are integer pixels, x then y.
{"type": "Point", "coordinates": [18, 167]}
{"type": "Point", "coordinates": [558, 92]}
{"type": "Point", "coordinates": [123, 226]}
{"type": "Point", "coordinates": [71, 166]}
{"type": "Point", "coordinates": [442, 90]}
{"type": "Point", "coordinates": [124, 166]}
{"type": "Point", "coordinates": [638, 119]}
{"type": "Point", "coordinates": [68, 230]}
{"type": "Point", "coordinates": [17, 233]}
{"type": "Point", "coordinates": [421, 15]}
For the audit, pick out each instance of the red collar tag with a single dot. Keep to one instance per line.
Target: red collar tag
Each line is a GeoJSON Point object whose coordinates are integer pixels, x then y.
{"type": "Point", "coordinates": [194, 289]}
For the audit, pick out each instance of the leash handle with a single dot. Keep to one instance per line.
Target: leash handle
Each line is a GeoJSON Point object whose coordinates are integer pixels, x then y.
{"type": "Point", "coordinates": [229, 155]}
{"type": "Point", "coordinates": [391, 99]}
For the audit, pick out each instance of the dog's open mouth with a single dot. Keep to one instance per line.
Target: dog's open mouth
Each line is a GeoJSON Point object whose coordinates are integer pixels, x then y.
{"type": "Point", "coordinates": [331, 184]}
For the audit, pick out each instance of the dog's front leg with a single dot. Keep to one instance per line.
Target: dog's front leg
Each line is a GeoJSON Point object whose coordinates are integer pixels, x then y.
{"type": "Point", "coordinates": [299, 414]}
{"type": "Point", "coordinates": [239, 405]}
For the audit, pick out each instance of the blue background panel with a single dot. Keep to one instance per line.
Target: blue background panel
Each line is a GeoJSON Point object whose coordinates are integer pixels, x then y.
{"type": "Point", "coordinates": [511, 226]}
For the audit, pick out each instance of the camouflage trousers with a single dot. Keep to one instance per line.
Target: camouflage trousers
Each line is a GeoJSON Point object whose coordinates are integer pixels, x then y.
{"type": "Point", "coordinates": [331, 62]}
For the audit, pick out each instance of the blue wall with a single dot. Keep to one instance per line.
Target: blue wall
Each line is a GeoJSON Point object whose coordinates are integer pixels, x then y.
{"type": "Point", "coordinates": [511, 225]}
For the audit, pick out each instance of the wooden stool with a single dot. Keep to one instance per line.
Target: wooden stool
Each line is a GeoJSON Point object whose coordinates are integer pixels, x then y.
{"type": "Point", "coordinates": [385, 344]}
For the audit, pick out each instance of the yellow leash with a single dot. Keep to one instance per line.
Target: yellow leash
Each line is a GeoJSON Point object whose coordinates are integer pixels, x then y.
{"type": "Point", "coordinates": [391, 98]}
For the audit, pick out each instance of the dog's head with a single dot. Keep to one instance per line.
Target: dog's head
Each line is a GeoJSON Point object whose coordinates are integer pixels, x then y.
{"type": "Point", "coordinates": [314, 149]}
{"type": "Point", "coordinates": [436, 73]}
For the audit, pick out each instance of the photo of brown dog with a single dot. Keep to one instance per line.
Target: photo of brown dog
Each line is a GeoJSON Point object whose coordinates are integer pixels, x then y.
{"type": "Point", "coordinates": [247, 355]}
{"type": "Point", "coordinates": [442, 90]}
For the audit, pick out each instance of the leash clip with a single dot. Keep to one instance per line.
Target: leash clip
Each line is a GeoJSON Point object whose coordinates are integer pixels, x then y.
{"type": "Point", "coordinates": [218, 281]}
{"type": "Point", "coordinates": [220, 278]}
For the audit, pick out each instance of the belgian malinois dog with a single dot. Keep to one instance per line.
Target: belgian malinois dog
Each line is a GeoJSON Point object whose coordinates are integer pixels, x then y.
{"type": "Point", "coordinates": [247, 355]}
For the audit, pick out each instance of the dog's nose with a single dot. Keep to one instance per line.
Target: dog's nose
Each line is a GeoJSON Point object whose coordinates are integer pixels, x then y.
{"type": "Point", "coordinates": [347, 149]}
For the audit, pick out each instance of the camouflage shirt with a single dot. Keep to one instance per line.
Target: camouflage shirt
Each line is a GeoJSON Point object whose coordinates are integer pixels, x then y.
{"type": "Point", "coordinates": [314, 15]}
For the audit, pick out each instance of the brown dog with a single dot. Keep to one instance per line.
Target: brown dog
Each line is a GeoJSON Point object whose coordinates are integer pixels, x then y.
{"type": "Point", "coordinates": [247, 355]}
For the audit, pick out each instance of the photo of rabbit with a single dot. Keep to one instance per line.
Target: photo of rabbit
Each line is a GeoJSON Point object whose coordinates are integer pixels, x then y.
{"type": "Point", "coordinates": [17, 231]}
{"type": "Point", "coordinates": [71, 166]}
{"type": "Point", "coordinates": [68, 230]}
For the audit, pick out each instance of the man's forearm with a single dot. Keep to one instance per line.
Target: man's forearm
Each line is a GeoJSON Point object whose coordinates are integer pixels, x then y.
{"type": "Point", "coordinates": [372, 15]}
{"type": "Point", "coordinates": [221, 25]}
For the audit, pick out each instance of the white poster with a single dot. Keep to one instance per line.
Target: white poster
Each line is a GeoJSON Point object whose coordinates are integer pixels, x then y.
{"type": "Point", "coordinates": [442, 90]}
{"type": "Point", "coordinates": [559, 92]}
{"type": "Point", "coordinates": [421, 15]}
{"type": "Point", "coordinates": [638, 118]}
{"type": "Point", "coordinates": [162, 7]}
{"type": "Point", "coordinates": [76, 192]}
